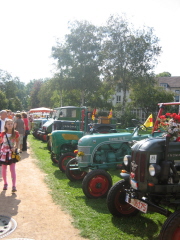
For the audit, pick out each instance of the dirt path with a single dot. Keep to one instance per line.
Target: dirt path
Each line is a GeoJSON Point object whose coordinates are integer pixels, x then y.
{"type": "Point", "coordinates": [38, 218]}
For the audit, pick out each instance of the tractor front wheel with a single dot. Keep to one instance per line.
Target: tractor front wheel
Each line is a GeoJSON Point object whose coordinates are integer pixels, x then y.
{"type": "Point", "coordinates": [116, 200]}
{"type": "Point", "coordinates": [171, 227]}
{"type": "Point", "coordinates": [49, 145]}
{"type": "Point", "coordinates": [64, 159]}
{"type": "Point", "coordinates": [53, 158]}
{"type": "Point", "coordinates": [74, 175]}
{"type": "Point", "coordinates": [96, 184]}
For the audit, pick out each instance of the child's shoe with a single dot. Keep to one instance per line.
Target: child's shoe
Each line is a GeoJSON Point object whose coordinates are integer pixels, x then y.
{"type": "Point", "coordinates": [14, 189]}
{"type": "Point", "coordinates": [5, 187]}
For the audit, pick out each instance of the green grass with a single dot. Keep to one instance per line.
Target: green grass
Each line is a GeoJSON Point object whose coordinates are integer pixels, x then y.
{"type": "Point", "coordinates": [91, 216]}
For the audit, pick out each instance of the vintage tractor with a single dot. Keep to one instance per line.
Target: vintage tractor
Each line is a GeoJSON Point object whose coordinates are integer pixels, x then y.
{"type": "Point", "coordinates": [151, 180]}
{"type": "Point", "coordinates": [62, 118]}
{"type": "Point", "coordinates": [96, 155]}
{"type": "Point", "coordinates": [36, 125]}
{"type": "Point", "coordinates": [64, 141]}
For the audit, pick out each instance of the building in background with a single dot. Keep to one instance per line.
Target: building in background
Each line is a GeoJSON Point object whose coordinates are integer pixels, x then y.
{"type": "Point", "coordinates": [169, 83]}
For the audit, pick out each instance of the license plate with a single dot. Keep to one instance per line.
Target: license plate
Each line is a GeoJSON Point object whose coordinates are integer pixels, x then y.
{"type": "Point", "coordinates": [134, 184]}
{"type": "Point", "coordinates": [142, 206]}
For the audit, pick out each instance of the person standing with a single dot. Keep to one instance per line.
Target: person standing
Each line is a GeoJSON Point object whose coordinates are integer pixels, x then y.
{"type": "Point", "coordinates": [20, 127]}
{"type": "Point", "coordinates": [26, 123]}
{"type": "Point", "coordinates": [10, 140]}
{"type": "Point", "coordinates": [3, 116]}
{"type": "Point", "coordinates": [9, 114]}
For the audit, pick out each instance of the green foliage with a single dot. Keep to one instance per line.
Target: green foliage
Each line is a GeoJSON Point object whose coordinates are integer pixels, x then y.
{"type": "Point", "coordinates": [13, 90]}
{"type": "Point", "coordinates": [3, 101]}
{"type": "Point", "coordinates": [125, 120]}
{"type": "Point", "coordinates": [145, 95]}
{"type": "Point", "coordinates": [91, 216]}
{"type": "Point", "coordinates": [128, 53]}
{"type": "Point", "coordinates": [101, 98]}
{"type": "Point", "coordinates": [35, 102]}
{"type": "Point", "coordinates": [164, 74]}
{"type": "Point", "coordinates": [78, 59]}
{"type": "Point", "coordinates": [44, 94]}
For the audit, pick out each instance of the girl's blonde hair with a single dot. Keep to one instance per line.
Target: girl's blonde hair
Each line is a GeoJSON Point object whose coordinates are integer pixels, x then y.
{"type": "Point", "coordinates": [13, 130]}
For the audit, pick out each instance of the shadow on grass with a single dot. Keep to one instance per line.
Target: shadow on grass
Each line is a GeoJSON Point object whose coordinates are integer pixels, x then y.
{"type": "Point", "coordinates": [75, 184]}
{"type": "Point", "coordinates": [58, 174]}
{"type": "Point", "coordinates": [139, 226]}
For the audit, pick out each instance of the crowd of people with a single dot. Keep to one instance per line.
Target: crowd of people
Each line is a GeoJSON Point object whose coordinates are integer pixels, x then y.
{"type": "Point", "coordinates": [14, 129]}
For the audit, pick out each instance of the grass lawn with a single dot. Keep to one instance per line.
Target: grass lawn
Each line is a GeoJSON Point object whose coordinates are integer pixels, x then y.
{"type": "Point", "coordinates": [91, 216]}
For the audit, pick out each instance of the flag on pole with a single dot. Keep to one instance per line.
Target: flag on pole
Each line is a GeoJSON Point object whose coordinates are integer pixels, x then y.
{"type": "Point", "coordinates": [149, 121]}
{"type": "Point", "coordinates": [110, 114]}
{"type": "Point", "coordinates": [93, 114]}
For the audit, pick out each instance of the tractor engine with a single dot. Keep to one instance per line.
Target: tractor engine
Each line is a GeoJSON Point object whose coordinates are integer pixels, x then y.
{"type": "Point", "coordinates": [110, 153]}
{"type": "Point", "coordinates": [155, 167]}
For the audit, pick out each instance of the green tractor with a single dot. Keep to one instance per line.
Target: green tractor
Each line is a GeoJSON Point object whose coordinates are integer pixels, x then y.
{"type": "Point", "coordinates": [99, 153]}
{"type": "Point", "coordinates": [151, 177]}
{"type": "Point", "coordinates": [64, 141]}
{"type": "Point", "coordinates": [61, 119]}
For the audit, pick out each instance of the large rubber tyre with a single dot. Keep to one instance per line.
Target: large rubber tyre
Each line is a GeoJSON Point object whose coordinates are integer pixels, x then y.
{"type": "Point", "coordinates": [96, 184]}
{"type": "Point", "coordinates": [116, 200]}
{"type": "Point", "coordinates": [74, 175]}
{"type": "Point", "coordinates": [53, 158]}
{"type": "Point", "coordinates": [64, 159]}
{"type": "Point", "coordinates": [49, 145]}
{"type": "Point", "coordinates": [171, 227]}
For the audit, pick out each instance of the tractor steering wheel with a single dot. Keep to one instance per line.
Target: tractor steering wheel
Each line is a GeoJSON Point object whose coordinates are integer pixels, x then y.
{"type": "Point", "coordinates": [141, 125]}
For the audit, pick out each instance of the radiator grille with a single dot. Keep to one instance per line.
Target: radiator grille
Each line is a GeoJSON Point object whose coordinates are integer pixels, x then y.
{"type": "Point", "coordinates": [86, 150]}
{"type": "Point", "coordinates": [138, 165]}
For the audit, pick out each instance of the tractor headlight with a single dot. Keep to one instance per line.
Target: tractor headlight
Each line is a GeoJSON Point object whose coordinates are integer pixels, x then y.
{"type": "Point", "coordinates": [154, 170]}
{"type": "Point", "coordinates": [127, 160]}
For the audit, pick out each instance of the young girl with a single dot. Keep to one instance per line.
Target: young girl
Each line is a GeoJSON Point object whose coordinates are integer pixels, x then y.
{"type": "Point", "coordinates": [8, 137]}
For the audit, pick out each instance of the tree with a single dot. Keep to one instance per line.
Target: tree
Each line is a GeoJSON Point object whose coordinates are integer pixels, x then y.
{"type": "Point", "coordinates": [150, 96]}
{"type": "Point", "coordinates": [35, 103]}
{"type": "Point", "coordinates": [78, 59]}
{"type": "Point", "coordinates": [128, 54]}
{"type": "Point", "coordinates": [3, 101]}
{"type": "Point", "coordinates": [102, 97]}
{"type": "Point", "coordinates": [44, 94]}
{"type": "Point", "coordinates": [164, 74]}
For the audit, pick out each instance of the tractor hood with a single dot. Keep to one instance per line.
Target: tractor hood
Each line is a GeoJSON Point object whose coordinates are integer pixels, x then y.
{"type": "Point", "coordinates": [157, 145]}
{"type": "Point", "coordinates": [89, 140]}
{"type": "Point", "coordinates": [73, 135]}
{"type": "Point", "coordinates": [150, 144]}
{"type": "Point", "coordinates": [48, 123]}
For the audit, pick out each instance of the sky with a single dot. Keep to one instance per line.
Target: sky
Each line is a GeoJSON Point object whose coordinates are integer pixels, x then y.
{"type": "Point", "coordinates": [30, 28]}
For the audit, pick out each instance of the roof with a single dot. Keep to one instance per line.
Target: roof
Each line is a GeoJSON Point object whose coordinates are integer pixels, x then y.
{"type": "Point", "coordinates": [42, 109]}
{"type": "Point", "coordinates": [173, 82]}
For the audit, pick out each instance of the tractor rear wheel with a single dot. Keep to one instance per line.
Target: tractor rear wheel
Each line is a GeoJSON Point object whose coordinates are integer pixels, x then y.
{"type": "Point", "coordinates": [171, 227]}
{"type": "Point", "coordinates": [116, 200]}
{"type": "Point", "coordinates": [74, 175]}
{"type": "Point", "coordinates": [53, 158]}
{"type": "Point", "coordinates": [64, 159]}
{"type": "Point", "coordinates": [96, 184]}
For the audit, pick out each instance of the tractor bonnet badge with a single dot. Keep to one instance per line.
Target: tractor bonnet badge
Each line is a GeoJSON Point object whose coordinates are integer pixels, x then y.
{"type": "Point", "coordinates": [134, 166]}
